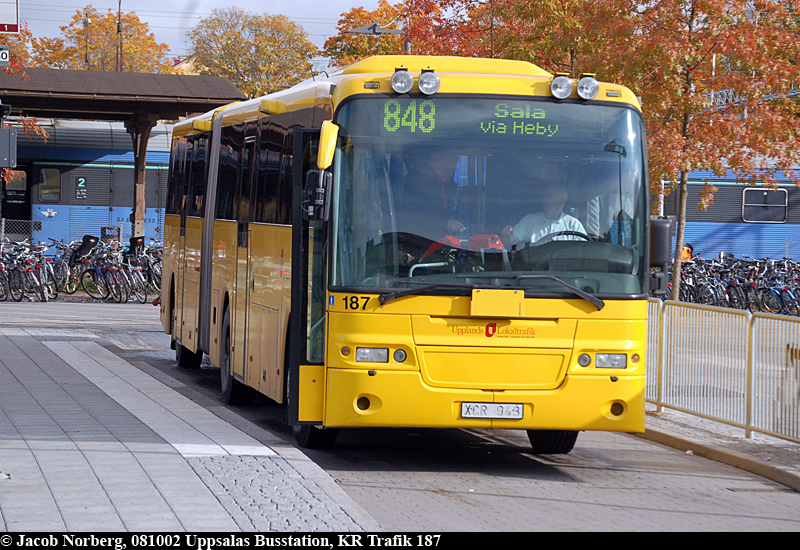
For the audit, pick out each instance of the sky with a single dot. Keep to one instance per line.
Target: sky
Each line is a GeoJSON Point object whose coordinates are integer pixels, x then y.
{"type": "Point", "coordinates": [171, 21]}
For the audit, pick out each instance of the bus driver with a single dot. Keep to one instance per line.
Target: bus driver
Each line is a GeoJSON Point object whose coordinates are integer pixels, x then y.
{"type": "Point", "coordinates": [533, 227]}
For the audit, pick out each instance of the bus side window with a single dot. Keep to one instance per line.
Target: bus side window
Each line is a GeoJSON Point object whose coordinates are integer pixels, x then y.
{"type": "Point", "coordinates": [197, 185]}
{"type": "Point", "coordinates": [266, 207]}
{"type": "Point", "coordinates": [230, 151]}
{"type": "Point", "coordinates": [49, 185]}
{"type": "Point", "coordinates": [175, 182]}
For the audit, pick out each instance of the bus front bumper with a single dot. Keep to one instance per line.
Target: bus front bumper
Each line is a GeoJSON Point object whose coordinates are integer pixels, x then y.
{"type": "Point", "coordinates": [359, 398]}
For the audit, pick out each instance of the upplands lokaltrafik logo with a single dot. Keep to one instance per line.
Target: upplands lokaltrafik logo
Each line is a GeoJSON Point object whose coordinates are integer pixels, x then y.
{"type": "Point", "coordinates": [491, 330]}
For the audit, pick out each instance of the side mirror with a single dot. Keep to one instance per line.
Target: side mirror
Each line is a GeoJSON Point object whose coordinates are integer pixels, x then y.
{"type": "Point", "coordinates": [660, 253]}
{"type": "Point", "coordinates": [317, 203]}
{"type": "Point", "coordinates": [329, 132]}
{"type": "Point", "coordinates": [660, 242]}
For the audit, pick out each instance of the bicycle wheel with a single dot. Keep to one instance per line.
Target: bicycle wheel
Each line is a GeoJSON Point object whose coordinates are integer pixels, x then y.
{"type": "Point", "coordinates": [114, 286]}
{"type": "Point", "coordinates": [94, 284]}
{"type": "Point", "coordinates": [139, 286]}
{"type": "Point", "coordinates": [36, 286]}
{"type": "Point", "coordinates": [790, 305]}
{"type": "Point", "coordinates": [16, 285]}
{"type": "Point", "coordinates": [73, 281]}
{"type": "Point", "coordinates": [769, 300]}
{"type": "Point", "coordinates": [736, 297]}
{"type": "Point", "coordinates": [61, 273]}
{"type": "Point", "coordinates": [4, 287]}
{"type": "Point", "coordinates": [125, 287]}
{"type": "Point", "coordinates": [47, 279]}
{"type": "Point", "coordinates": [753, 301]}
{"type": "Point", "coordinates": [705, 295]}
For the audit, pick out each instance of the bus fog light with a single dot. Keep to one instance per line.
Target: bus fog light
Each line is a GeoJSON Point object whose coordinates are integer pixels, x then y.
{"type": "Point", "coordinates": [372, 355]}
{"type": "Point", "coordinates": [399, 356]}
{"type": "Point", "coordinates": [561, 86]}
{"type": "Point", "coordinates": [611, 360]}
{"type": "Point", "coordinates": [588, 87]}
{"type": "Point", "coordinates": [428, 82]}
{"type": "Point", "coordinates": [584, 360]}
{"type": "Point", "coordinates": [402, 81]}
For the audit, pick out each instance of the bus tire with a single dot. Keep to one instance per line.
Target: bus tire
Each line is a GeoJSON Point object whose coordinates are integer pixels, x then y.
{"type": "Point", "coordinates": [312, 437]}
{"type": "Point", "coordinates": [552, 442]}
{"type": "Point", "coordinates": [233, 391]}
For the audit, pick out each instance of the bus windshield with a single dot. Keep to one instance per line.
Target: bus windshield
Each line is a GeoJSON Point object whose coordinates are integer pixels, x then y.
{"type": "Point", "coordinates": [444, 194]}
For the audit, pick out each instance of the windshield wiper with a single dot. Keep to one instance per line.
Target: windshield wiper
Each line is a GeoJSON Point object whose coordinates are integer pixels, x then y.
{"type": "Point", "coordinates": [585, 295]}
{"type": "Point", "coordinates": [388, 296]}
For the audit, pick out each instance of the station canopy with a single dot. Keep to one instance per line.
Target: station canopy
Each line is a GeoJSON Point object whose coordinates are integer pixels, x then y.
{"type": "Point", "coordinates": [139, 100]}
{"type": "Point", "coordinates": [100, 95]}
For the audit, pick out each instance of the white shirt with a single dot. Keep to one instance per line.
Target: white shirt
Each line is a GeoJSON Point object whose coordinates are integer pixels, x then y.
{"type": "Point", "coordinates": [533, 227]}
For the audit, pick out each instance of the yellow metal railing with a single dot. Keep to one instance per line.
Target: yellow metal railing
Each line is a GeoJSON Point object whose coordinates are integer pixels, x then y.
{"type": "Point", "coordinates": [725, 365]}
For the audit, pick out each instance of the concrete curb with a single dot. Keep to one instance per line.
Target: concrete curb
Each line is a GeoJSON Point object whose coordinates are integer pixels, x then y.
{"type": "Point", "coordinates": [736, 459]}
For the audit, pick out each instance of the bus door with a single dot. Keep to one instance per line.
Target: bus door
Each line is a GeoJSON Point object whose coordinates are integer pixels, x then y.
{"type": "Point", "coordinates": [308, 306]}
{"type": "Point", "coordinates": [187, 311]}
{"type": "Point", "coordinates": [179, 266]}
{"type": "Point", "coordinates": [244, 277]}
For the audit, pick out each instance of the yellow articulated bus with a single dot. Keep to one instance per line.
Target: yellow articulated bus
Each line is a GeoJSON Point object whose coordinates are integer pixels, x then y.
{"type": "Point", "coordinates": [419, 242]}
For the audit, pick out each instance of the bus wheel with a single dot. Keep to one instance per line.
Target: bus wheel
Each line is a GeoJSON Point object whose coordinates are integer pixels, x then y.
{"type": "Point", "coordinates": [312, 437]}
{"type": "Point", "coordinates": [552, 442]}
{"type": "Point", "coordinates": [186, 358]}
{"type": "Point", "coordinates": [233, 391]}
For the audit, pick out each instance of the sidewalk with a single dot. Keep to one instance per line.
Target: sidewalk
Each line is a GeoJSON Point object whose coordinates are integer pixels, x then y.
{"type": "Point", "coordinates": [91, 442]}
{"type": "Point", "coordinates": [763, 455]}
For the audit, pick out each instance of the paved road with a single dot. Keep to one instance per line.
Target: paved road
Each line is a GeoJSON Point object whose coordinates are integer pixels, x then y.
{"type": "Point", "coordinates": [480, 480]}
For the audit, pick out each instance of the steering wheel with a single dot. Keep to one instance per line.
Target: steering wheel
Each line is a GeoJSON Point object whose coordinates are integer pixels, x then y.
{"type": "Point", "coordinates": [551, 236]}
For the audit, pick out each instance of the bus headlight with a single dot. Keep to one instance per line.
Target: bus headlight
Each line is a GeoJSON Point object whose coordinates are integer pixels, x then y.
{"type": "Point", "coordinates": [588, 86]}
{"type": "Point", "coordinates": [610, 361]}
{"type": "Point", "coordinates": [372, 355]}
{"type": "Point", "coordinates": [429, 82]}
{"type": "Point", "coordinates": [402, 81]}
{"type": "Point", "coordinates": [561, 86]}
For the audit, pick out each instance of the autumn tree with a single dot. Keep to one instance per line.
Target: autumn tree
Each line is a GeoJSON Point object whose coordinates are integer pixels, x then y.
{"type": "Point", "coordinates": [681, 56]}
{"type": "Point", "coordinates": [18, 59]}
{"type": "Point", "coordinates": [468, 28]}
{"type": "Point", "coordinates": [90, 42]}
{"type": "Point", "coordinates": [346, 48]}
{"type": "Point", "coordinates": [258, 53]}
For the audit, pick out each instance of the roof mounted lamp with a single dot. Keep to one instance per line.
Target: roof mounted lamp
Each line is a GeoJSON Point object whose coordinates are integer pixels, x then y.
{"type": "Point", "coordinates": [588, 86]}
{"type": "Point", "coordinates": [429, 82]}
{"type": "Point", "coordinates": [561, 86]}
{"type": "Point", "coordinates": [402, 81]}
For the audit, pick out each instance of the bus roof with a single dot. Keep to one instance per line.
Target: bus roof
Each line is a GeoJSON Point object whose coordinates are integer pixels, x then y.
{"type": "Point", "coordinates": [464, 75]}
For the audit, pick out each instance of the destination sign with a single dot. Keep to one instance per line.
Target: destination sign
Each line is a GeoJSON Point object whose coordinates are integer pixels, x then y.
{"type": "Point", "coordinates": [446, 116]}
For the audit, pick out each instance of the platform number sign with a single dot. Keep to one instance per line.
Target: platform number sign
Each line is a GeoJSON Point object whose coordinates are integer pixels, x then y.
{"type": "Point", "coordinates": [80, 188]}
{"type": "Point", "coordinates": [4, 56]}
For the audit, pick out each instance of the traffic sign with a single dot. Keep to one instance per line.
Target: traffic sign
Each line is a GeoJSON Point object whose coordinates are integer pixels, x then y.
{"type": "Point", "coordinates": [9, 16]}
{"type": "Point", "coordinates": [4, 56]}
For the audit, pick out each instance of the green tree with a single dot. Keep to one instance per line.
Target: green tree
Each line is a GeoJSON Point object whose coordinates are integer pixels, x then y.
{"type": "Point", "coordinates": [258, 53]}
{"type": "Point", "coordinates": [90, 41]}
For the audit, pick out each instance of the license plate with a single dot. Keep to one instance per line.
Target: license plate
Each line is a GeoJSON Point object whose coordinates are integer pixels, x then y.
{"type": "Point", "coordinates": [510, 411]}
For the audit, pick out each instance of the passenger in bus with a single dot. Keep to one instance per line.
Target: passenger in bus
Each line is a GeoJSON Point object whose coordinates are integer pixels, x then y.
{"type": "Point", "coordinates": [535, 227]}
{"type": "Point", "coordinates": [429, 197]}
